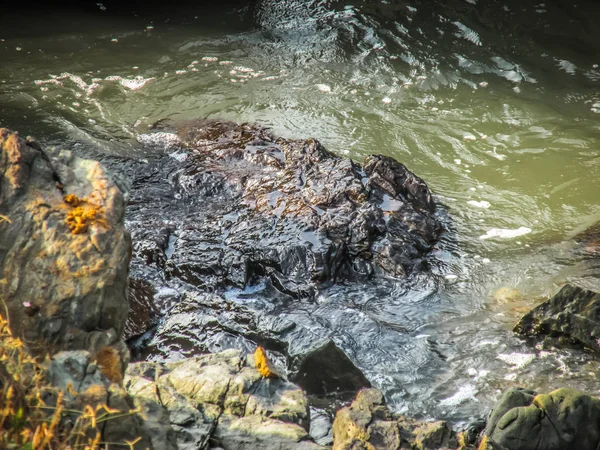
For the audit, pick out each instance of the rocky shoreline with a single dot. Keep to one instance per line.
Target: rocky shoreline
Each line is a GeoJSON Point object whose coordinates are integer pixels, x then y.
{"type": "Point", "coordinates": [159, 253]}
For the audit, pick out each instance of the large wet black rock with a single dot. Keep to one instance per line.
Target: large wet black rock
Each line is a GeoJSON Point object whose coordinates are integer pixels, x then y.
{"type": "Point", "coordinates": [238, 204]}
{"type": "Point", "coordinates": [570, 318]}
{"type": "Point", "coordinates": [229, 210]}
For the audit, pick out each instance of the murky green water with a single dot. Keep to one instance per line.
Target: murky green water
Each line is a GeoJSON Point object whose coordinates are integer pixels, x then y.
{"type": "Point", "coordinates": [496, 106]}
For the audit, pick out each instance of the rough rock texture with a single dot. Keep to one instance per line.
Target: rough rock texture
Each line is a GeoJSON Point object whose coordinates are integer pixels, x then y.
{"type": "Point", "coordinates": [234, 203]}
{"type": "Point", "coordinates": [221, 400]}
{"type": "Point", "coordinates": [64, 252]}
{"type": "Point", "coordinates": [231, 210]}
{"type": "Point", "coordinates": [571, 317]}
{"type": "Point", "coordinates": [563, 419]}
{"type": "Point", "coordinates": [286, 209]}
{"type": "Point", "coordinates": [78, 374]}
{"type": "Point", "coordinates": [367, 424]}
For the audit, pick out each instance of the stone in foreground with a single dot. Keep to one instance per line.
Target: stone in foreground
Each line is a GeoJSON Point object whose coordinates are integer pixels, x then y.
{"type": "Point", "coordinates": [563, 419]}
{"type": "Point", "coordinates": [367, 424]}
{"type": "Point", "coordinates": [221, 400]}
{"type": "Point", "coordinates": [64, 251]}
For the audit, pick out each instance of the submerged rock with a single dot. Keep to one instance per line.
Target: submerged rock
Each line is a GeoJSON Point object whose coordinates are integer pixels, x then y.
{"type": "Point", "coordinates": [563, 419]}
{"type": "Point", "coordinates": [64, 252]}
{"type": "Point", "coordinates": [222, 400]}
{"type": "Point", "coordinates": [571, 317]}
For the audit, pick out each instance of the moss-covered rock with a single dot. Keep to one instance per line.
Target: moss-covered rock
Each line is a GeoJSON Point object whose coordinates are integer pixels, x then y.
{"type": "Point", "coordinates": [562, 419]}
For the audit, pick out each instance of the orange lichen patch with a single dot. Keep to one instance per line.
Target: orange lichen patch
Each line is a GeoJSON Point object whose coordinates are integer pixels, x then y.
{"type": "Point", "coordinates": [95, 393]}
{"type": "Point", "coordinates": [82, 215]}
{"type": "Point", "coordinates": [109, 363]}
{"type": "Point", "coordinates": [87, 271]}
{"type": "Point", "coordinates": [73, 200]}
{"type": "Point", "coordinates": [262, 363]}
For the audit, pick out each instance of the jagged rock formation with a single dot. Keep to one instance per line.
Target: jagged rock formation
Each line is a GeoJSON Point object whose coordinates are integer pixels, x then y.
{"type": "Point", "coordinates": [221, 400]}
{"type": "Point", "coordinates": [238, 204]}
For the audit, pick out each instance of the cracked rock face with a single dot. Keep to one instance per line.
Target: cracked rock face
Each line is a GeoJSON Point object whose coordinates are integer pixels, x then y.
{"type": "Point", "coordinates": [221, 400]}
{"type": "Point", "coordinates": [64, 252]}
{"type": "Point", "coordinates": [562, 419]}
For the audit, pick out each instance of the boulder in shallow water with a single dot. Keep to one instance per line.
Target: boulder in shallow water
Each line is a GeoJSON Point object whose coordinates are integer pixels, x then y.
{"type": "Point", "coordinates": [571, 317]}
{"type": "Point", "coordinates": [235, 204]}
{"type": "Point", "coordinates": [562, 419]}
{"type": "Point", "coordinates": [64, 251]}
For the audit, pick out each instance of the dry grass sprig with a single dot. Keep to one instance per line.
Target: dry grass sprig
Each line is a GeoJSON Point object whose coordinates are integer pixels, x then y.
{"type": "Point", "coordinates": [28, 422]}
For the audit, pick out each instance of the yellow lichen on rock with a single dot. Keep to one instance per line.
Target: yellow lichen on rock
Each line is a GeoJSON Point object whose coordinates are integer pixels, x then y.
{"type": "Point", "coordinates": [262, 364]}
{"type": "Point", "coordinates": [82, 215]}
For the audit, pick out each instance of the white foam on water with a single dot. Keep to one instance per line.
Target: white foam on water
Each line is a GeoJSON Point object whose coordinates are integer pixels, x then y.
{"type": "Point", "coordinates": [243, 69]}
{"type": "Point", "coordinates": [160, 139]}
{"type": "Point", "coordinates": [481, 204]}
{"type": "Point", "coordinates": [504, 233]}
{"type": "Point", "coordinates": [517, 360]}
{"type": "Point", "coordinates": [464, 393]}
{"type": "Point", "coordinates": [133, 84]}
{"type": "Point", "coordinates": [323, 87]}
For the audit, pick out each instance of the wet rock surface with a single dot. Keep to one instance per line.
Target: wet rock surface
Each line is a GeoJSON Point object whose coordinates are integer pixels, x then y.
{"type": "Point", "coordinates": [570, 318]}
{"type": "Point", "coordinates": [64, 252]}
{"type": "Point", "coordinates": [222, 401]}
{"type": "Point", "coordinates": [243, 231]}
{"type": "Point", "coordinates": [209, 323]}
{"type": "Point", "coordinates": [525, 420]}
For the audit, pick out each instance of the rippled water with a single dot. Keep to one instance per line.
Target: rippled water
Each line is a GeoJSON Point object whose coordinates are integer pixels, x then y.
{"type": "Point", "coordinates": [495, 104]}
